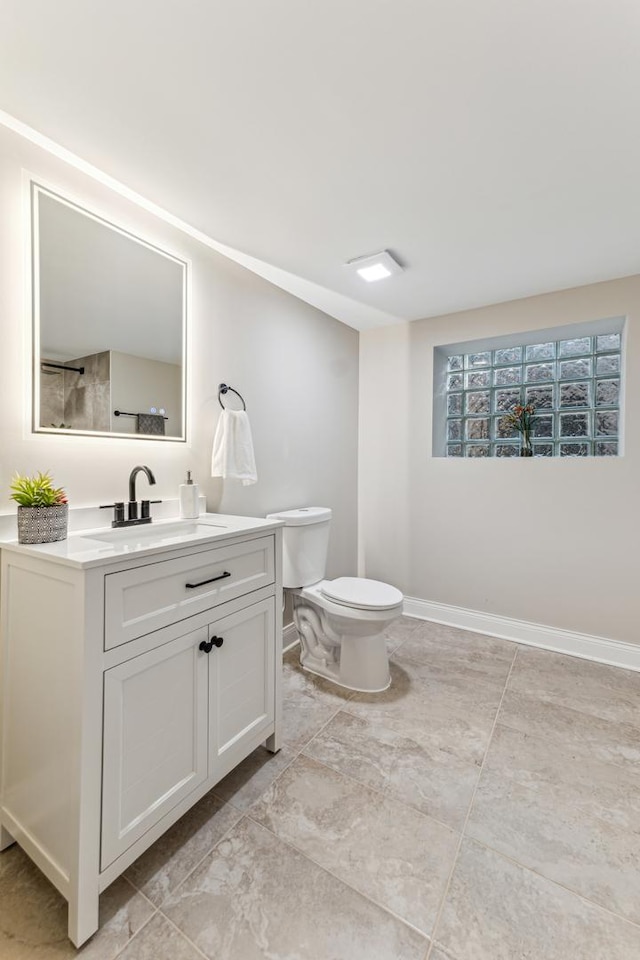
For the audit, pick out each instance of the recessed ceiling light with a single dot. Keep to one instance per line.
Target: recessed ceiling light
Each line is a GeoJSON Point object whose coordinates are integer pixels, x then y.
{"type": "Point", "coordinates": [375, 266]}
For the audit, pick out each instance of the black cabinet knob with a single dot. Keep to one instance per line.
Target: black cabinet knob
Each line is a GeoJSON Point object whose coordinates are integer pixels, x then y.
{"type": "Point", "coordinates": [207, 645]}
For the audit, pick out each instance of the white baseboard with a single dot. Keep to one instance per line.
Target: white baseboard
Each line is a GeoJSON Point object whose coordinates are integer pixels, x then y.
{"type": "Point", "coordinates": [614, 652]}
{"type": "Point", "coordinates": [289, 637]}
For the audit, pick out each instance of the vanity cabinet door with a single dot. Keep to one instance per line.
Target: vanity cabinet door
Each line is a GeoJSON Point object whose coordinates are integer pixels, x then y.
{"type": "Point", "coordinates": [155, 738]}
{"type": "Point", "coordinates": [241, 683]}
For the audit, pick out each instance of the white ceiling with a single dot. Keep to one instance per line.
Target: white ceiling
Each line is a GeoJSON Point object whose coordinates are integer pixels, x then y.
{"type": "Point", "coordinates": [493, 146]}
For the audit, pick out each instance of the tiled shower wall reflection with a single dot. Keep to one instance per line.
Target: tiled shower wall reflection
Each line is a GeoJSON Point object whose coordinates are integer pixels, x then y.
{"type": "Point", "coordinates": [574, 386]}
{"type": "Point", "coordinates": [77, 401]}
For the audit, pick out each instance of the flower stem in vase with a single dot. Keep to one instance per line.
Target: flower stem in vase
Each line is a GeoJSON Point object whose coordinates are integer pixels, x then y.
{"type": "Point", "coordinates": [526, 449]}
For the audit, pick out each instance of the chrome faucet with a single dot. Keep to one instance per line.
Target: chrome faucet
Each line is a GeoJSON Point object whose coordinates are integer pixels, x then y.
{"type": "Point", "coordinates": [132, 506]}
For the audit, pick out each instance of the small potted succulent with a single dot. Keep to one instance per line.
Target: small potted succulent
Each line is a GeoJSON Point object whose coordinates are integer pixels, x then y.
{"type": "Point", "coordinates": [42, 509]}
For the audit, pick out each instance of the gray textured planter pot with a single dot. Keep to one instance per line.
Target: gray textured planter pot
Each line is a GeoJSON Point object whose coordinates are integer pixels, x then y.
{"type": "Point", "coordinates": [42, 524]}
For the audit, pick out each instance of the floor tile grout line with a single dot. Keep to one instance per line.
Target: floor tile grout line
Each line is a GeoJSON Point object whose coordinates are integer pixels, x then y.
{"type": "Point", "coordinates": [353, 694]}
{"type": "Point", "coordinates": [369, 786]}
{"type": "Point", "coordinates": [470, 808]}
{"type": "Point", "coordinates": [556, 883]}
{"type": "Point", "coordinates": [320, 866]}
{"type": "Point", "coordinates": [452, 667]}
{"type": "Point", "coordinates": [585, 751]}
{"type": "Point", "coordinates": [277, 777]}
{"type": "Point", "coordinates": [222, 837]}
{"type": "Point", "coordinates": [393, 652]}
{"type": "Point", "coordinates": [500, 705]}
{"type": "Point", "coordinates": [557, 702]}
{"type": "Point", "coordinates": [318, 731]}
{"type": "Point", "coordinates": [478, 676]}
{"type": "Point", "coordinates": [138, 890]}
{"type": "Point", "coordinates": [247, 816]}
{"type": "Point", "coordinates": [135, 935]}
{"type": "Point", "coordinates": [259, 797]}
{"type": "Point", "coordinates": [154, 912]}
{"type": "Point", "coordinates": [584, 661]}
{"type": "Point", "coordinates": [183, 934]}
{"type": "Point", "coordinates": [438, 946]}
{"type": "Point", "coordinates": [380, 793]}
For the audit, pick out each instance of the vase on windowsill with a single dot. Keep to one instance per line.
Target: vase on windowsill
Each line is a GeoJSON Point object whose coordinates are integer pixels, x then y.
{"type": "Point", "coordinates": [520, 418]}
{"type": "Point", "coordinates": [526, 449]}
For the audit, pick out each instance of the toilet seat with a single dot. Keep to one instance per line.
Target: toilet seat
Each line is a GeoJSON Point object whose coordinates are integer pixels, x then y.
{"type": "Point", "coordinates": [361, 594]}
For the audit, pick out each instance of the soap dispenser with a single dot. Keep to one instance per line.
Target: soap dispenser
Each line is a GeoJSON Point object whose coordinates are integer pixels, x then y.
{"type": "Point", "coordinates": [189, 503]}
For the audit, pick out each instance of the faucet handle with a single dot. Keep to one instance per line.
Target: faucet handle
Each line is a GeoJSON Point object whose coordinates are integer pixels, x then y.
{"type": "Point", "coordinates": [118, 510]}
{"type": "Point", "coordinates": [145, 508]}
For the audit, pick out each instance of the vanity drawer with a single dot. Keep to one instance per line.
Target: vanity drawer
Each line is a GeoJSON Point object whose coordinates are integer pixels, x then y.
{"type": "Point", "coordinates": [155, 595]}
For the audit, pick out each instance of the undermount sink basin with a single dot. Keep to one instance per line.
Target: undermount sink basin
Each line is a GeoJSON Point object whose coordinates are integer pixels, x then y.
{"type": "Point", "coordinates": [149, 534]}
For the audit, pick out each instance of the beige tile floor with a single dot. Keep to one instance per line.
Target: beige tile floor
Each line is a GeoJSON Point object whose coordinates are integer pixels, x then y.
{"type": "Point", "coordinates": [486, 807]}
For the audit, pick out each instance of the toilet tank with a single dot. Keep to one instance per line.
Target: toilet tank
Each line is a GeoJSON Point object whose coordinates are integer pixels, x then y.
{"type": "Point", "coordinates": [305, 539]}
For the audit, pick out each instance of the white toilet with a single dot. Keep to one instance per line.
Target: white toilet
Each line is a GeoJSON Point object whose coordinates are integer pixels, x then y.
{"type": "Point", "coordinates": [340, 622]}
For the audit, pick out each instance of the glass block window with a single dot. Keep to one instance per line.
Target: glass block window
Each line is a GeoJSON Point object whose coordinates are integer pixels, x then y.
{"type": "Point", "coordinates": [573, 384]}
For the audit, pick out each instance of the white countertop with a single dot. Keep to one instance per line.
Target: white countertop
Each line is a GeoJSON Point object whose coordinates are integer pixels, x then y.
{"type": "Point", "coordinates": [102, 546]}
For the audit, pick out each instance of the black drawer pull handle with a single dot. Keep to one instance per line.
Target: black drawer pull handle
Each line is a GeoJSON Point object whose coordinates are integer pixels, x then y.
{"type": "Point", "coordinates": [217, 641]}
{"type": "Point", "coordinates": [192, 586]}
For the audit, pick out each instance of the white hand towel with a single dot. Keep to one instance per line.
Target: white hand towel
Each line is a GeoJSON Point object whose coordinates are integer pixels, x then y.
{"type": "Point", "coordinates": [233, 456]}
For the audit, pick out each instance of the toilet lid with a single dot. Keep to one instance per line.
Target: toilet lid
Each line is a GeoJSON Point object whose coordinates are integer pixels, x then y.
{"type": "Point", "coordinates": [362, 594]}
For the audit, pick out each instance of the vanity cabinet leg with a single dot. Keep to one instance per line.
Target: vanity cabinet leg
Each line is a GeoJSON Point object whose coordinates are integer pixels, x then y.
{"type": "Point", "coordinates": [274, 742]}
{"type": "Point", "coordinates": [84, 914]}
{"type": "Point", "coordinates": [6, 840]}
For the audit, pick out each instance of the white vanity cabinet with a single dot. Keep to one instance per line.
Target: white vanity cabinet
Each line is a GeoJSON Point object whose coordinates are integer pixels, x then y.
{"type": "Point", "coordinates": [131, 684]}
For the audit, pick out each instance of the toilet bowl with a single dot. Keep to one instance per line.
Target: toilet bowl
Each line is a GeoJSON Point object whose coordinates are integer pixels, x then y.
{"type": "Point", "coordinates": [340, 622]}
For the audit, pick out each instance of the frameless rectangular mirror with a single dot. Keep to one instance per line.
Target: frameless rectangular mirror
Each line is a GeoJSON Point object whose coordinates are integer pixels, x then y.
{"type": "Point", "coordinates": [109, 327]}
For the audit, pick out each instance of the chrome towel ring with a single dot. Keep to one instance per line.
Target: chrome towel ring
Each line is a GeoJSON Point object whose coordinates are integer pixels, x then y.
{"type": "Point", "coordinates": [224, 388]}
